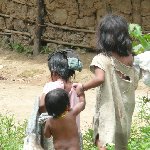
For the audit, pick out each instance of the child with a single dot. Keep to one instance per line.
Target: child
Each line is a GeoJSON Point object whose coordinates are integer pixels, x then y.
{"type": "Point", "coordinates": [62, 126]}
{"type": "Point", "coordinates": [62, 65]}
{"type": "Point", "coordinates": [116, 81]}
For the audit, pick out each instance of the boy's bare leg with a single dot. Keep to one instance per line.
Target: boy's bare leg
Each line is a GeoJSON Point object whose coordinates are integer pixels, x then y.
{"type": "Point", "coordinates": [99, 145]}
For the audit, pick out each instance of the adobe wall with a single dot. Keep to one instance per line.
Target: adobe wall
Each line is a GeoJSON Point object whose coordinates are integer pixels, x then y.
{"type": "Point", "coordinates": [67, 22]}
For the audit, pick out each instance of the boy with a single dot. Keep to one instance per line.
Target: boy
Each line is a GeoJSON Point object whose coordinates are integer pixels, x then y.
{"type": "Point", "coordinates": [62, 125]}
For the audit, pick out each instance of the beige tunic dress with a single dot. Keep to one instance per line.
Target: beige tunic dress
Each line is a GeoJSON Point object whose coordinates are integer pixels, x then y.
{"type": "Point", "coordinates": [115, 101]}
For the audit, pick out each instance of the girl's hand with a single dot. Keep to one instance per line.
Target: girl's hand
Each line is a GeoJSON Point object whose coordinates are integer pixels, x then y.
{"type": "Point", "coordinates": [79, 88]}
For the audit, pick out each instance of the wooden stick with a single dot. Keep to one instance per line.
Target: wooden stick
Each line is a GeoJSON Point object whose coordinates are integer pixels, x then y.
{"type": "Point", "coordinates": [66, 43]}
{"type": "Point", "coordinates": [69, 28]}
{"type": "Point", "coordinates": [17, 32]}
{"type": "Point", "coordinates": [4, 15]}
{"type": "Point", "coordinates": [4, 33]}
{"type": "Point", "coordinates": [8, 16]}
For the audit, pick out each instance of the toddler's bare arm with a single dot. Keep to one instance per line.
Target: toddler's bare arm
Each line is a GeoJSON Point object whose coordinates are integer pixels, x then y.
{"type": "Point", "coordinates": [47, 131]}
{"type": "Point", "coordinates": [80, 105]}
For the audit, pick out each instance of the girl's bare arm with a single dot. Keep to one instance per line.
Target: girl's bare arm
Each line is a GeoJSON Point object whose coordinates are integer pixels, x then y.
{"type": "Point", "coordinates": [96, 81]}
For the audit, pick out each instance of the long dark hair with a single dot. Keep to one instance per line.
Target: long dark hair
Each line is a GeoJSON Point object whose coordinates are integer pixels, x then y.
{"type": "Point", "coordinates": [58, 63]}
{"type": "Point", "coordinates": [113, 36]}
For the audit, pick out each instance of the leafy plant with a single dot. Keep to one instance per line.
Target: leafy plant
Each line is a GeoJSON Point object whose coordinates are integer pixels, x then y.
{"type": "Point", "coordinates": [141, 42]}
{"type": "Point", "coordinates": [45, 50]}
{"type": "Point", "coordinates": [11, 134]}
{"type": "Point", "coordinates": [144, 114]}
{"type": "Point", "coordinates": [140, 131]}
{"type": "Point", "coordinates": [88, 140]}
{"type": "Point", "coordinates": [18, 47]}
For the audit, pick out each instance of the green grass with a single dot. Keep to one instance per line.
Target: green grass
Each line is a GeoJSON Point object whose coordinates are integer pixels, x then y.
{"type": "Point", "coordinates": [11, 134]}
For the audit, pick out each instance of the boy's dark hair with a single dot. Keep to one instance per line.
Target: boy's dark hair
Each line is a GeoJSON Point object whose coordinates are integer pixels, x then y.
{"type": "Point", "coordinates": [58, 63]}
{"type": "Point", "coordinates": [113, 36]}
{"type": "Point", "coordinates": [56, 102]}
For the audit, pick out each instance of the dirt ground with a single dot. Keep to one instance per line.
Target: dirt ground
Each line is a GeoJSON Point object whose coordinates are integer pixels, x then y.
{"type": "Point", "coordinates": [22, 79]}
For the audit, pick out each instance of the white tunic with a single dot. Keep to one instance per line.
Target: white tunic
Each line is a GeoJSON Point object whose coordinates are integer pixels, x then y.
{"type": "Point", "coordinates": [115, 101]}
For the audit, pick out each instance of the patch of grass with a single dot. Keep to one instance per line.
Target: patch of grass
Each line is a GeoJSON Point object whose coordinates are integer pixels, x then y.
{"type": "Point", "coordinates": [20, 48]}
{"type": "Point", "coordinates": [45, 50]}
{"type": "Point", "coordinates": [88, 140]}
{"type": "Point", "coordinates": [11, 134]}
{"type": "Point", "coordinates": [140, 131]}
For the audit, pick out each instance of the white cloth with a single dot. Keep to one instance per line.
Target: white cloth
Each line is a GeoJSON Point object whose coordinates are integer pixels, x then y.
{"type": "Point", "coordinates": [143, 61]}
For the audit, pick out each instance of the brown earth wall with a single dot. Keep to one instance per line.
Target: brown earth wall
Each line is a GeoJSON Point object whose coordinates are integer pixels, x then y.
{"type": "Point", "coordinates": [67, 22]}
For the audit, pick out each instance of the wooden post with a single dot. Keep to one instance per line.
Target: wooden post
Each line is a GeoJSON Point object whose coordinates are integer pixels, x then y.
{"type": "Point", "coordinates": [39, 27]}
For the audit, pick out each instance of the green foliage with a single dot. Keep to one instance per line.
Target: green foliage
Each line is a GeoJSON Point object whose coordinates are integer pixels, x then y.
{"type": "Point", "coordinates": [18, 47]}
{"type": "Point", "coordinates": [88, 140]}
{"type": "Point", "coordinates": [11, 134]}
{"type": "Point", "coordinates": [144, 113]}
{"type": "Point", "coordinates": [45, 50]}
{"type": "Point", "coordinates": [141, 42]}
{"type": "Point", "coordinates": [139, 138]}
{"type": "Point", "coordinates": [140, 131]}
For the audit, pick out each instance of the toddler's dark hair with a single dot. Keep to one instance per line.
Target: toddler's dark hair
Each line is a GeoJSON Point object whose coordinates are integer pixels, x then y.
{"type": "Point", "coordinates": [58, 63]}
{"type": "Point", "coordinates": [113, 36]}
{"type": "Point", "coordinates": [56, 102]}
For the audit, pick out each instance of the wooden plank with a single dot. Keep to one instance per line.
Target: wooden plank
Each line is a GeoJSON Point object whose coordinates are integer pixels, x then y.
{"type": "Point", "coordinates": [17, 32]}
{"type": "Point", "coordinates": [66, 43]}
{"type": "Point", "coordinates": [70, 28]}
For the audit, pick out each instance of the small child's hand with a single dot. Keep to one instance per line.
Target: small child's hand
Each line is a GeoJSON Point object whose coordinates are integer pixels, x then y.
{"type": "Point", "coordinates": [75, 85]}
{"type": "Point", "coordinates": [79, 88]}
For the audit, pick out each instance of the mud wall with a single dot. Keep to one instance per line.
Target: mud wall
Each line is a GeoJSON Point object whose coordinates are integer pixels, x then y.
{"type": "Point", "coordinates": [71, 23]}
